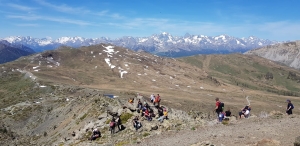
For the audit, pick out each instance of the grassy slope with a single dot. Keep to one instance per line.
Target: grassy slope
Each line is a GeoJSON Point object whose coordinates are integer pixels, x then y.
{"type": "Point", "coordinates": [248, 72]}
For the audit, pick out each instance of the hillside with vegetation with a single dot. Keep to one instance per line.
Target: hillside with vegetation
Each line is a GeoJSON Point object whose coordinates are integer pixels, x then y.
{"type": "Point", "coordinates": [57, 97]}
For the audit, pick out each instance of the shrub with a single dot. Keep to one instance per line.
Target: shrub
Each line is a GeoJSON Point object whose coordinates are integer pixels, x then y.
{"type": "Point", "coordinates": [124, 117]}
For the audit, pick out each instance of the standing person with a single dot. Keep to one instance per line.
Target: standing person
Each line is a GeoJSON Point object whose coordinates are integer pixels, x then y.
{"type": "Point", "coordinates": [289, 107]}
{"type": "Point", "coordinates": [158, 100]}
{"type": "Point", "coordinates": [119, 123]}
{"type": "Point", "coordinates": [152, 98]}
{"type": "Point", "coordinates": [112, 125]}
{"type": "Point", "coordinates": [219, 109]}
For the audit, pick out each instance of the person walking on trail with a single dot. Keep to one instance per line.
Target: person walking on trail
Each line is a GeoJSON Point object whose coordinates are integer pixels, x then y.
{"type": "Point", "coordinates": [219, 109]}
{"type": "Point", "coordinates": [289, 107]}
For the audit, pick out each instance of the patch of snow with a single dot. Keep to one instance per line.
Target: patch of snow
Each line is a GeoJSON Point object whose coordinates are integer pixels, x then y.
{"type": "Point", "coordinates": [49, 65]}
{"type": "Point", "coordinates": [153, 80]}
{"type": "Point", "coordinates": [177, 85]}
{"type": "Point", "coordinates": [40, 62]}
{"type": "Point", "coordinates": [123, 72]}
{"type": "Point", "coordinates": [35, 67]}
{"type": "Point", "coordinates": [100, 53]}
{"type": "Point", "coordinates": [43, 86]}
{"type": "Point", "coordinates": [139, 74]}
{"type": "Point", "coordinates": [67, 99]}
{"type": "Point", "coordinates": [57, 64]}
{"type": "Point", "coordinates": [92, 52]}
{"type": "Point", "coordinates": [201, 88]}
{"type": "Point", "coordinates": [188, 86]}
{"type": "Point", "coordinates": [126, 65]}
{"type": "Point", "coordinates": [112, 66]}
{"type": "Point", "coordinates": [36, 70]}
{"type": "Point", "coordinates": [96, 67]}
{"type": "Point", "coordinates": [94, 56]}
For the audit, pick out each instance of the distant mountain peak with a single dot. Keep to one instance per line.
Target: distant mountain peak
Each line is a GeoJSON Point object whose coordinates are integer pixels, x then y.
{"type": "Point", "coordinates": [156, 43]}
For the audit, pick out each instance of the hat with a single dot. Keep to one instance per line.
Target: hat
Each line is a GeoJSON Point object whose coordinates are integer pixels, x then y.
{"type": "Point", "coordinates": [288, 100]}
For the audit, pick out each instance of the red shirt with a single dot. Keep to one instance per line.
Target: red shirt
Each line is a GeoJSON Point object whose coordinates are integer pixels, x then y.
{"type": "Point", "coordinates": [218, 103]}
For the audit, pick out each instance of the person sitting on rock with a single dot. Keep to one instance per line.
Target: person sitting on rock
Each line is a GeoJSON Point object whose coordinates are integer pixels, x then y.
{"type": "Point", "coordinates": [165, 115]}
{"type": "Point", "coordinates": [136, 123]}
{"type": "Point", "coordinates": [228, 113]}
{"type": "Point", "coordinates": [147, 115]}
{"type": "Point", "coordinates": [96, 133]}
{"type": "Point", "coordinates": [160, 112]}
{"type": "Point", "coordinates": [139, 105]}
{"type": "Point", "coordinates": [131, 100]}
{"type": "Point", "coordinates": [245, 112]}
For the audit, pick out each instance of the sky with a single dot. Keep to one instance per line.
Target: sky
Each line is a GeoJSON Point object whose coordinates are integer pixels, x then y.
{"type": "Point", "coordinates": [266, 19]}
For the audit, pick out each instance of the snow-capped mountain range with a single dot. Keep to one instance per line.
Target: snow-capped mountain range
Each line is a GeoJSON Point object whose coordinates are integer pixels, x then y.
{"type": "Point", "coordinates": [162, 44]}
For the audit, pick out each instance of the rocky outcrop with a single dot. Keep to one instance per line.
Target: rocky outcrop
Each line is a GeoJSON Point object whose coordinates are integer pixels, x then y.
{"type": "Point", "coordinates": [285, 53]}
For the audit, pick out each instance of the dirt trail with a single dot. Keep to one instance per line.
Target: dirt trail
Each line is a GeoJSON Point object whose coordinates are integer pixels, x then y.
{"type": "Point", "coordinates": [243, 132]}
{"type": "Point", "coordinates": [206, 62]}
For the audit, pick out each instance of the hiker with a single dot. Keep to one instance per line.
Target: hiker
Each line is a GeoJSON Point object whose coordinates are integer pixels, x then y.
{"type": "Point", "coordinates": [219, 109]}
{"type": "Point", "coordinates": [147, 115]}
{"type": "Point", "coordinates": [164, 116]}
{"type": "Point", "coordinates": [289, 107]}
{"type": "Point", "coordinates": [245, 112]}
{"type": "Point", "coordinates": [228, 113]}
{"type": "Point", "coordinates": [119, 123]}
{"type": "Point", "coordinates": [96, 133]}
{"type": "Point", "coordinates": [136, 123]}
{"type": "Point", "coordinates": [157, 100]}
{"type": "Point", "coordinates": [112, 125]}
{"type": "Point", "coordinates": [152, 98]}
{"type": "Point", "coordinates": [139, 105]}
{"type": "Point", "coordinates": [131, 100]}
{"type": "Point", "coordinates": [160, 111]}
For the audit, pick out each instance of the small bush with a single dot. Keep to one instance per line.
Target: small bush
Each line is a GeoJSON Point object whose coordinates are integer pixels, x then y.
{"type": "Point", "coordinates": [81, 118]}
{"type": "Point", "coordinates": [146, 134]}
{"type": "Point", "coordinates": [124, 117]}
{"type": "Point", "coordinates": [121, 143]}
{"type": "Point", "coordinates": [193, 128]}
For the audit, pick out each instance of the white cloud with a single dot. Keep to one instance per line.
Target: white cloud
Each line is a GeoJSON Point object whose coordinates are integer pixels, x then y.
{"type": "Point", "coordinates": [27, 25]}
{"type": "Point", "coordinates": [20, 7]}
{"type": "Point", "coordinates": [63, 7]}
{"type": "Point", "coordinates": [62, 20]}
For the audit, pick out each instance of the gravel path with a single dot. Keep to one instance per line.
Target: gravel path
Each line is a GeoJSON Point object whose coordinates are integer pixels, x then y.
{"type": "Point", "coordinates": [243, 132]}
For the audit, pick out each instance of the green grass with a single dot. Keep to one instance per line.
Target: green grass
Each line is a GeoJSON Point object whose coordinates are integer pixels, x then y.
{"type": "Point", "coordinates": [84, 116]}
{"type": "Point", "coordinates": [125, 117]}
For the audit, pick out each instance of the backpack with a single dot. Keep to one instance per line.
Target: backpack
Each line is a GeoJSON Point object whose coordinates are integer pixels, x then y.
{"type": "Point", "coordinates": [221, 107]}
{"type": "Point", "coordinates": [112, 124]}
{"type": "Point", "coordinates": [292, 106]}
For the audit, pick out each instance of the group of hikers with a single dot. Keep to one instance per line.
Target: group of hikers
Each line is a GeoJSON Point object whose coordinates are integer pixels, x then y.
{"type": "Point", "coordinates": [146, 111]}
{"type": "Point", "coordinates": [245, 112]}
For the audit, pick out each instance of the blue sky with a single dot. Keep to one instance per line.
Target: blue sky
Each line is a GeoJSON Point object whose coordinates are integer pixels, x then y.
{"type": "Point", "coordinates": [266, 19]}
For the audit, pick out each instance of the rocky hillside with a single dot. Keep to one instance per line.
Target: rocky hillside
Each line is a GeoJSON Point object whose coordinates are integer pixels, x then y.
{"type": "Point", "coordinates": [57, 97]}
{"type": "Point", "coordinates": [285, 53]}
{"type": "Point", "coordinates": [9, 52]}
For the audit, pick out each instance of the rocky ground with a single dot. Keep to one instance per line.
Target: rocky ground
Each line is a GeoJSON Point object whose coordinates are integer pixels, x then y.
{"type": "Point", "coordinates": [274, 130]}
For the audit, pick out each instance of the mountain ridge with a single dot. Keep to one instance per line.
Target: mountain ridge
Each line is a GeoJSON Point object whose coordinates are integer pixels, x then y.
{"type": "Point", "coordinates": [163, 44]}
